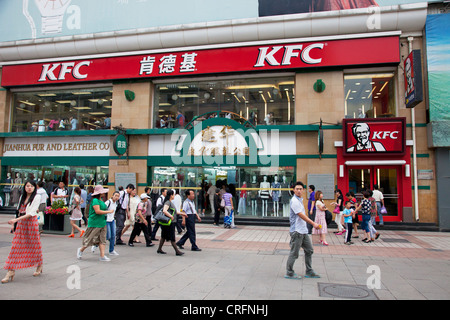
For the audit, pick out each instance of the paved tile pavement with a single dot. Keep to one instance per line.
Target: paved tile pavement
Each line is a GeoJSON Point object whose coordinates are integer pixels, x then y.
{"type": "Point", "coordinates": [246, 263]}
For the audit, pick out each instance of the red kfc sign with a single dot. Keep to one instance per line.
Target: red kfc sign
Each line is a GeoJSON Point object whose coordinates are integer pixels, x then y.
{"type": "Point", "coordinates": [374, 136]}
{"type": "Point", "coordinates": [288, 56]}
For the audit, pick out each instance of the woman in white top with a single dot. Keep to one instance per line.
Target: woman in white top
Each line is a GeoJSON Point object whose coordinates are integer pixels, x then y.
{"type": "Point", "coordinates": [111, 223]}
{"type": "Point", "coordinates": [132, 206]}
{"type": "Point", "coordinates": [26, 250]}
{"type": "Point", "coordinates": [76, 214]}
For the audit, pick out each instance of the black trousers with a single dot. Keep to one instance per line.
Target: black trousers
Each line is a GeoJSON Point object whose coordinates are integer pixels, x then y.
{"type": "Point", "coordinates": [312, 217]}
{"type": "Point", "coordinates": [138, 227]}
{"type": "Point", "coordinates": [155, 229]}
{"type": "Point", "coordinates": [190, 232]}
{"type": "Point", "coordinates": [120, 224]}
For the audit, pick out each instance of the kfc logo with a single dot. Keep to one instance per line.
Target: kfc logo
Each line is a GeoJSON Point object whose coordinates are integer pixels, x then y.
{"type": "Point", "coordinates": [49, 71]}
{"type": "Point", "coordinates": [291, 51]}
{"type": "Point", "coordinates": [374, 136]}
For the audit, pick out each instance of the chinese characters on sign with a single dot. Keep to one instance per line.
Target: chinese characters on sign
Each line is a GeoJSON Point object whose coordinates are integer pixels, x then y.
{"type": "Point", "coordinates": [167, 64]}
{"type": "Point", "coordinates": [216, 141]}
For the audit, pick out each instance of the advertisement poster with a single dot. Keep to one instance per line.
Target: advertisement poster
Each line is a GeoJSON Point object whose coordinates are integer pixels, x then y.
{"type": "Point", "coordinates": [37, 19]}
{"type": "Point", "coordinates": [438, 57]}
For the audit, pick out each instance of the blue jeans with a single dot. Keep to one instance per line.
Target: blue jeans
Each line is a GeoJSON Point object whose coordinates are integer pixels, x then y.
{"type": "Point", "coordinates": [380, 215]}
{"type": "Point", "coordinates": [111, 234]}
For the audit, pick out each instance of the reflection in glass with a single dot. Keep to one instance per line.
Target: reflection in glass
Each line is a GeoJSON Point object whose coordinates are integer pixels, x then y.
{"type": "Point", "coordinates": [62, 110]}
{"type": "Point", "coordinates": [266, 101]}
{"type": "Point", "coordinates": [257, 191]}
{"type": "Point", "coordinates": [369, 95]}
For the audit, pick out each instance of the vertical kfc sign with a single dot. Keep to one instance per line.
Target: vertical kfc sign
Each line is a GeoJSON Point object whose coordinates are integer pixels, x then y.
{"type": "Point", "coordinates": [413, 79]}
{"type": "Point", "coordinates": [374, 136]}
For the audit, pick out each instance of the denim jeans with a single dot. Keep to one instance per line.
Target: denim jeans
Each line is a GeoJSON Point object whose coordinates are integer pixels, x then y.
{"type": "Point", "coordinates": [380, 215]}
{"type": "Point", "coordinates": [111, 234]}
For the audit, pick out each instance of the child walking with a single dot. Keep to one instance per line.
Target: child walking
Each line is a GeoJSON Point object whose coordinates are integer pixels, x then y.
{"type": "Point", "coordinates": [348, 217]}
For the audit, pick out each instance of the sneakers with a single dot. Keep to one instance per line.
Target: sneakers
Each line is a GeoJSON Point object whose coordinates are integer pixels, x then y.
{"type": "Point", "coordinates": [293, 277]}
{"type": "Point", "coordinates": [114, 253]}
{"type": "Point", "coordinates": [312, 275]}
{"type": "Point", "coordinates": [105, 259]}
{"type": "Point", "coordinates": [79, 254]}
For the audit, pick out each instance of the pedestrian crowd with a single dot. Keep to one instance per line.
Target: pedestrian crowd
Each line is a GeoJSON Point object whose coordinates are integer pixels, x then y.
{"type": "Point", "coordinates": [108, 219]}
{"type": "Point", "coordinates": [346, 214]}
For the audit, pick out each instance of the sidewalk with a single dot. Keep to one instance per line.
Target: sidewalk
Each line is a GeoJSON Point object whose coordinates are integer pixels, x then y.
{"type": "Point", "coordinates": [246, 263]}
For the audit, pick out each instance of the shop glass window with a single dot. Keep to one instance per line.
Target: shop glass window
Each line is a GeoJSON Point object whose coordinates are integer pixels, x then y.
{"type": "Point", "coordinates": [257, 191]}
{"type": "Point", "coordinates": [62, 110]}
{"type": "Point", "coordinates": [370, 95]}
{"type": "Point", "coordinates": [72, 176]}
{"type": "Point", "coordinates": [264, 101]}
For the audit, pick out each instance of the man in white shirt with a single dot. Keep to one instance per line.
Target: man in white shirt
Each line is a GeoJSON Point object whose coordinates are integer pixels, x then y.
{"type": "Point", "coordinates": [379, 199]}
{"type": "Point", "coordinates": [60, 193]}
{"type": "Point", "coordinates": [299, 235]}
{"type": "Point", "coordinates": [122, 212]}
{"type": "Point", "coordinates": [189, 209]}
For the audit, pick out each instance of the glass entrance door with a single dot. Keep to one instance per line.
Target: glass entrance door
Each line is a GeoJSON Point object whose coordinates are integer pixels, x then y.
{"type": "Point", "coordinates": [388, 182]}
{"type": "Point", "coordinates": [387, 178]}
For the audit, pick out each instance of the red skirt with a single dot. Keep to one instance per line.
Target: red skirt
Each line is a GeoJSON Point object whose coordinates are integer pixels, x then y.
{"type": "Point", "coordinates": [26, 251]}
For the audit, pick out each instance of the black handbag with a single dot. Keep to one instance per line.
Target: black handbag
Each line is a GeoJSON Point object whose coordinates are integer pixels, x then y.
{"type": "Point", "coordinates": [161, 217]}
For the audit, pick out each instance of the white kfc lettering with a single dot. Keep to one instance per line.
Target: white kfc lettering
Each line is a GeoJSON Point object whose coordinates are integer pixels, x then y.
{"type": "Point", "coordinates": [306, 57]}
{"type": "Point", "coordinates": [289, 52]}
{"type": "Point", "coordinates": [383, 135]}
{"type": "Point", "coordinates": [48, 71]}
{"type": "Point", "coordinates": [76, 71]}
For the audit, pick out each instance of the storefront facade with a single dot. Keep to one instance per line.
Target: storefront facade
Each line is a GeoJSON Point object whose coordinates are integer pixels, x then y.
{"type": "Point", "coordinates": [259, 114]}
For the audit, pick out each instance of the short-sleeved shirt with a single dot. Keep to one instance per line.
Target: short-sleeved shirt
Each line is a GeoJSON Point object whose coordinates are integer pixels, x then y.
{"type": "Point", "coordinates": [227, 198]}
{"type": "Point", "coordinates": [189, 207]}
{"type": "Point", "coordinates": [296, 223]}
{"type": "Point", "coordinates": [311, 199]}
{"type": "Point", "coordinates": [341, 206]}
{"type": "Point", "coordinates": [349, 218]}
{"type": "Point", "coordinates": [171, 206]}
{"type": "Point", "coordinates": [365, 210]}
{"type": "Point", "coordinates": [377, 195]}
{"type": "Point", "coordinates": [143, 207]}
{"type": "Point", "coordinates": [97, 220]}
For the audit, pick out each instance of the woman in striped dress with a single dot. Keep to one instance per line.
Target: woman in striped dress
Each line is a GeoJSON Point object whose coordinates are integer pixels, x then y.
{"type": "Point", "coordinates": [26, 251]}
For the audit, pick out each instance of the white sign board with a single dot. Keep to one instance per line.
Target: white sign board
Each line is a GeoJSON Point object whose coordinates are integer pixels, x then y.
{"type": "Point", "coordinates": [75, 146]}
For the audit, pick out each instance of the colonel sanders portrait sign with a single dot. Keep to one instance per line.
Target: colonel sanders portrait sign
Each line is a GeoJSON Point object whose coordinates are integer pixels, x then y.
{"type": "Point", "coordinates": [374, 136]}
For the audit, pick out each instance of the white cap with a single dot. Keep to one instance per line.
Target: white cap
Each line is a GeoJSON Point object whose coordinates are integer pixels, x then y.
{"type": "Point", "coordinates": [144, 196]}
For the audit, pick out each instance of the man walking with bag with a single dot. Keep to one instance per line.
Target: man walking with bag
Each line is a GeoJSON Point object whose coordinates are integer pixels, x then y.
{"type": "Point", "coordinates": [122, 212]}
{"type": "Point", "coordinates": [189, 209]}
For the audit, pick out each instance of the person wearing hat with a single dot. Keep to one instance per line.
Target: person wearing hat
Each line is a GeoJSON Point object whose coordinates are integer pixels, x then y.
{"type": "Point", "coordinates": [141, 223]}
{"type": "Point", "coordinates": [96, 231]}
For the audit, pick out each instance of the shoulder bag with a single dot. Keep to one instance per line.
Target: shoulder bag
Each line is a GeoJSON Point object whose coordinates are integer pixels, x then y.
{"type": "Point", "coordinates": [161, 217]}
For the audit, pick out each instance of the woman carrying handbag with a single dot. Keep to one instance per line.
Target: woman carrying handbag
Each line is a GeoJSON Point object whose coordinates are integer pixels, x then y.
{"type": "Point", "coordinates": [26, 250]}
{"type": "Point", "coordinates": [339, 208]}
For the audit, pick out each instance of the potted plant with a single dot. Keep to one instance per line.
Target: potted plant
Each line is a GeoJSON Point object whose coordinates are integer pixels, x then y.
{"type": "Point", "coordinates": [57, 218]}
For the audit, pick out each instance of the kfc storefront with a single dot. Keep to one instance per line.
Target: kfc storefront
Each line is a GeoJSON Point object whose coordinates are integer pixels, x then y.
{"type": "Point", "coordinates": [375, 152]}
